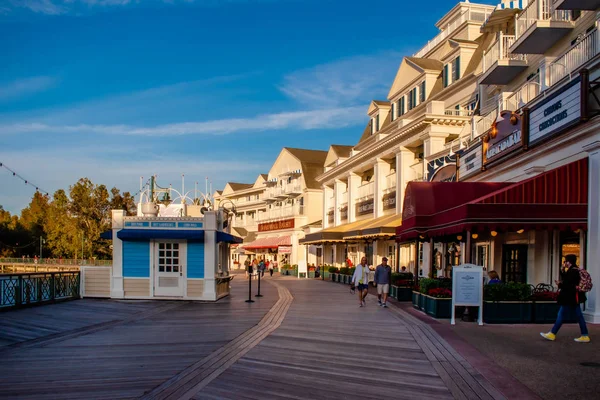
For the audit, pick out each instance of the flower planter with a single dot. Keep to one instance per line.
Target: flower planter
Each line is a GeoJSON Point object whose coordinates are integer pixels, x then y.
{"type": "Point", "coordinates": [393, 290]}
{"type": "Point", "coordinates": [332, 276]}
{"type": "Point", "coordinates": [325, 274]}
{"type": "Point", "coordinates": [311, 274]}
{"type": "Point", "coordinates": [415, 299]}
{"type": "Point", "coordinates": [438, 308]}
{"type": "Point", "coordinates": [422, 302]}
{"type": "Point", "coordinates": [507, 312]}
{"type": "Point", "coordinates": [403, 294]}
{"type": "Point", "coordinates": [545, 312]}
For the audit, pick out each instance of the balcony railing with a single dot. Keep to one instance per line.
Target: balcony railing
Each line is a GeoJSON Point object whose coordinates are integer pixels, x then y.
{"type": "Point", "coordinates": [282, 212]}
{"type": "Point", "coordinates": [473, 14]}
{"type": "Point", "coordinates": [485, 122]}
{"type": "Point", "coordinates": [499, 51]}
{"type": "Point", "coordinates": [366, 190]}
{"type": "Point", "coordinates": [390, 182]}
{"type": "Point", "coordinates": [523, 95]}
{"type": "Point", "coordinates": [539, 10]}
{"type": "Point", "coordinates": [577, 55]}
{"type": "Point", "coordinates": [458, 113]}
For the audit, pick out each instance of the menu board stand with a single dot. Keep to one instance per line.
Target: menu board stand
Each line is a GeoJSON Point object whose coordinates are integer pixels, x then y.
{"type": "Point", "coordinates": [467, 289]}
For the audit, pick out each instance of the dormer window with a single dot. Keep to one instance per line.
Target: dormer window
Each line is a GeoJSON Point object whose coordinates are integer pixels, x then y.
{"type": "Point", "coordinates": [456, 69]}
{"type": "Point", "coordinates": [422, 92]}
{"type": "Point", "coordinates": [412, 99]}
{"type": "Point", "coordinates": [377, 123]}
{"type": "Point", "coordinates": [451, 72]}
{"type": "Point", "coordinates": [401, 106]}
{"type": "Point", "coordinates": [393, 111]}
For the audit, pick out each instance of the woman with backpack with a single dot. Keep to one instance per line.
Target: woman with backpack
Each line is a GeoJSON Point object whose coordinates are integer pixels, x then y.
{"type": "Point", "coordinates": [571, 295]}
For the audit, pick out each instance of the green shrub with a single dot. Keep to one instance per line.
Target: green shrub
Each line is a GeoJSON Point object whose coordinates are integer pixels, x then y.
{"type": "Point", "coordinates": [507, 292]}
{"type": "Point", "coordinates": [333, 270]}
{"type": "Point", "coordinates": [426, 284]}
{"type": "Point", "coordinates": [344, 270]}
{"type": "Point", "coordinates": [286, 266]}
{"type": "Point", "coordinates": [351, 271]}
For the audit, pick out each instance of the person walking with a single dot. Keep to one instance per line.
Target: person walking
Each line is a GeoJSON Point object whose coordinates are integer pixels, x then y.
{"type": "Point", "coordinates": [271, 267]}
{"type": "Point", "coordinates": [383, 279]}
{"type": "Point", "coordinates": [569, 298]}
{"type": "Point", "coordinates": [253, 268]}
{"type": "Point", "coordinates": [361, 280]}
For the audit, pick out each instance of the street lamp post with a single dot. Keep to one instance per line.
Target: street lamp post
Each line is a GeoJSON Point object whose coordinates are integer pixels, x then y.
{"type": "Point", "coordinates": [42, 241]}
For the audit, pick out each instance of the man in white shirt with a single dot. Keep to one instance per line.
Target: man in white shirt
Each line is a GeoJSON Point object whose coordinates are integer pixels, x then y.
{"type": "Point", "coordinates": [361, 280]}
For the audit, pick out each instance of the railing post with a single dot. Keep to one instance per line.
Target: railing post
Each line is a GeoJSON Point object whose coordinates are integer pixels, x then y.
{"type": "Point", "coordinates": [18, 291]}
{"type": "Point", "coordinates": [52, 287]}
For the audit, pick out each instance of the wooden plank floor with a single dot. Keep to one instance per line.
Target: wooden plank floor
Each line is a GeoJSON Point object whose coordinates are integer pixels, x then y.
{"type": "Point", "coordinates": [306, 339]}
{"type": "Point", "coordinates": [128, 358]}
{"type": "Point", "coordinates": [329, 348]}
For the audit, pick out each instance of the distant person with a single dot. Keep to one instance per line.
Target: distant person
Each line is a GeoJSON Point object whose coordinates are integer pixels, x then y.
{"type": "Point", "coordinates": [383, 278]}
{"type": "Point", "coordinates": [569, 299]}
{"type": "Point", "coordinates": [252, 268]}
{"type": "Point", "coordinates": [261, 267]}
{"type": "Point", "coordinates": [247, 267]}
{"type": "Point", "coordinates": [271, 267]}
{"type": "Point", "coordinates": [403, 269]}
{"type": "Point", "coordinates": [361, 280]}
{"type": "Point", "coordinates": [494, 278]}
{"type": "Point", "coordinates": [348, 262]}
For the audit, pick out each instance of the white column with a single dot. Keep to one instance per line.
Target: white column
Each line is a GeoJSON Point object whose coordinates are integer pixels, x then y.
{"type": "Point", "coordinates": [210, 255]}
{"type": "Point", "coordinates": [382, 169]}
{"type": "Point", "coordinates": [339, 187]}
{"type": "Point", "coordinates": [116, 286]}
{"type": "Point", "coordinates": [592, 312]}
{"type": "Point", "coordinates": [353, 183]}
{"type": "Point", "coordinates": [404, 174]}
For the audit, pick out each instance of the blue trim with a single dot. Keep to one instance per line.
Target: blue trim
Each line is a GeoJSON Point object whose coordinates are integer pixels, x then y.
{"type": "Point", "coordinates": [106, 235]}
{"type": "Point", "coordinates": [227, 238]}
{"type": "Point", "coordinates": [147, 234]}
{"type": "Point", "coordinates": [195, 260]}
{"type": "Point", "coordinates": [136, 260]}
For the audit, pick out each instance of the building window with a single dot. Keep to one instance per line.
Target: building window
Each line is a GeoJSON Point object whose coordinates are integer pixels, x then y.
{"type": "Point", "coordinates": [401, 106]}
{"type": "Point", "coordinates": [377, 123]}
{"type": "Point", "coordinates": [412, 99]}
{"type": "Point", "coordinates": [372, 126]}
{"type": "Point", "coordinates": [445, 75]}
{"type": "Point", "coordinates": [456, 69]}
{"type": "Point", "coordinates": [392, 111]}
{"type": "Point", "coordinates": [422, 92]}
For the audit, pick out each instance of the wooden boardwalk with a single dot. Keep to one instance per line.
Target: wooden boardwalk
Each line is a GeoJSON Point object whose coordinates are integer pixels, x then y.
{"type": "Point", "coordinates": [306, 339]}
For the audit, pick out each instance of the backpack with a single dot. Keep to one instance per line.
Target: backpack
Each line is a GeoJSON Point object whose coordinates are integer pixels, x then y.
{"type": "Point", "coordinates": [585, 282]}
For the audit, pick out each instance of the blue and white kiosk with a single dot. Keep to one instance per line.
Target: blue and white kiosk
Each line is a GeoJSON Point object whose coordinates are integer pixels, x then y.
{"type": "Point", "coordinates": [171, 257]}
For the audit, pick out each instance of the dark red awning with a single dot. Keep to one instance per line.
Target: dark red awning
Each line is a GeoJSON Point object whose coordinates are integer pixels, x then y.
{"type": "Point", "coordinates": [269, 243]}
{"type": "Point", "coordinates": [556, 199]}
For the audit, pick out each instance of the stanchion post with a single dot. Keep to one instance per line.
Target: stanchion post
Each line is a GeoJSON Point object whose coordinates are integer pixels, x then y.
{"type": "Point", "coordinates": [249, 289]}
{"type": "Point", "coordinates": [259, 274]}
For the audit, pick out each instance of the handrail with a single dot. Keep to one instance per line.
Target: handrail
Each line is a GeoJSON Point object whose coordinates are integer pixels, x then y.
{"type": "Point", "coordinates": [499, 50]}
{"type": "Point", "coordinates": [577, 55]}
{"type": "Point", "coordinates": [524, 94]}
{"type": "Point", "coordinates": [55, 261]}
{"type": "Point", "coordinates": [539, 10]}
{"type": "Point", "coordinates": [23, 289]}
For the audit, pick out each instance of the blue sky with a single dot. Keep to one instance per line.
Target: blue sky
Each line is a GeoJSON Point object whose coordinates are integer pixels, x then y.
{"type": "Point", "coordinates": [118, 89]}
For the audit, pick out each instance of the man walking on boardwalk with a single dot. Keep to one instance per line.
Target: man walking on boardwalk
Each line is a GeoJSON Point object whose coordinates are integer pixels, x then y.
{"type": "Point", "coordinates": [383, 278]}
{"type": "Point", "coordinates": [361, 279]}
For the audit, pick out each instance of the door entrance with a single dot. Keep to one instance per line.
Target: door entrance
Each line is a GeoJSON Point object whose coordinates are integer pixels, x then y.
{"type": "Point", "coordinates": [514, 263]}
{"type": "Point", "coordinates": [169, 262]}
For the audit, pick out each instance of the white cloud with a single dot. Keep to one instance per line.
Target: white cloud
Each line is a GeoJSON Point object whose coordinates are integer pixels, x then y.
{"type": "Point", "coordinates": [300, 120]}
{"type": "Point", "coordinates": [48, 7]}
{"type": "Point", "coordinates": [344, 82]}
{"type": "Point", "coordinates": [26, 86]}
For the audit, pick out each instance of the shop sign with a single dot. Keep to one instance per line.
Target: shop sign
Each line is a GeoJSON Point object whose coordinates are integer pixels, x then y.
{"type": "Point", "coordinates": [284, 249]}
{"type": "Point", "coordinates": [504, 138]}
{"type": "Point", "coordinates": [365, 207]}
{"type": "Point", "coordinates": [467, 288]}
{"type": "Point", "coordinates": [162, 225]}
{"type": "Point", "coordinates": [276, 225]}
{"type": "Point", "coordinates": [469, 163]}
{"type": "Point", "coordinates": [344, 213]}
{"type": "Point", "coordinates": [189, 225]}
{"type": "Point", "coordinates": [389, 201]}
{"type": "Point", "coordinates": [555, 113]}
{"type": "Point", "coordinates": [442, 169]}
{"type": "Point", "coordinates": [136, 224]}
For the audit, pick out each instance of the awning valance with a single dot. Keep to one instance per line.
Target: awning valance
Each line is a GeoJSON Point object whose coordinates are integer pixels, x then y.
{"type": "Point", "coordinates": [228, 238]}
{"type": "Point", "coordinates": [556, 199]}
{"type": "Point", "coordinates": [269, 243]}
{"type": "Point", "coordinates": [377, 228]}
{"type": "Point", "coordinates": [333, 234]}
{"type": "Point", "coordinates": [147, 234]}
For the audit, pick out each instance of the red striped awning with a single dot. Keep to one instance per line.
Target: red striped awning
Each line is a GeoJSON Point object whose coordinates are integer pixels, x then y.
{"type": "Point", "coordinates": [556, 199]}
{"type": "Point", "coordinates": [269, 243]}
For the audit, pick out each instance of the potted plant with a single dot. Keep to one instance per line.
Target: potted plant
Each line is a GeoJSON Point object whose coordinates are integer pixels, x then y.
{"type": "Point", "coordinates": [507, 303]}
{"type": "Point", "coordinates": [401, 287]}
{"type": "Point", "coordinates": [332, 273]}
{"type": "Point", "coordinates": [545, 307]}
{"type": "Point", "coordinates": [438, 302]}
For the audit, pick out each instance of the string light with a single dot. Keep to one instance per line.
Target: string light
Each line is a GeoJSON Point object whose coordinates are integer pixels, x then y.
{"type": "Point", "coordinates": [27, 181]}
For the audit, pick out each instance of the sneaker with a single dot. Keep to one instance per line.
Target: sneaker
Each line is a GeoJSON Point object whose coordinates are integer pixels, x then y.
{"type": "Point", "coordinates": [583, 339]}
{"type": "Point", "coordinates": [384, 305]}
{"type": "Point", "coordinates": [379, 301]}
{"type": "Point", "coordinates": [360, 305]}
{"type": "Point", "coordinates": [548, 336]}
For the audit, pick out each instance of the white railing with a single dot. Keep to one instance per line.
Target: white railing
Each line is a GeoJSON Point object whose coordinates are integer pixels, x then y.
{"type": "Point", "coordinates": [523, 95]}
{"type": "Point", "coordinates": [366, 190]}
{"type": "Point", "coordinates": [458, 113]}
{"type": "Point", "coordinates": [539, 10]}
{"type": "Point", "coordinates": [499, 51]}
{"type": "Point", "coordinates": [281, 212]}
{"type": "Point", "coordinates": [473, 14]}
{"type": "Point", "coordinates": [485, 122]}
{"type": "Point", "coordinates": [292, 189]}
{"type": "Point", "coordinates": [489, 103]}
{"type": "Point", "coordinates": [390, 181]}
{"type": "Point", "coordinates": [577, 55]}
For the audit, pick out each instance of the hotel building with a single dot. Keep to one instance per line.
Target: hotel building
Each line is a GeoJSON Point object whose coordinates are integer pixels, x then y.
{"type": "Point", "coordinates": [529, 180]}
{"type": "Point", "coordinates": [274, 212]}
